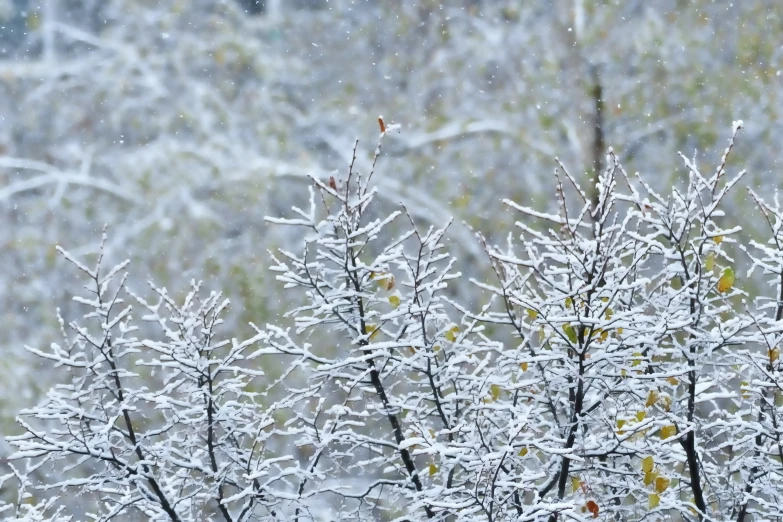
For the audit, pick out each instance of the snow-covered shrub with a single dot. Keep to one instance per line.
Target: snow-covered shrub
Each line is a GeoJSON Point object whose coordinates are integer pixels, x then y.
{"type": "Point", "coordinates": [616, 369]}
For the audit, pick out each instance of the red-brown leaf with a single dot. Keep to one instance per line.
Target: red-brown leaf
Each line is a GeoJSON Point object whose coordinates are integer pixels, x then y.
{"type": "Point", "coordinates": [592, 507]}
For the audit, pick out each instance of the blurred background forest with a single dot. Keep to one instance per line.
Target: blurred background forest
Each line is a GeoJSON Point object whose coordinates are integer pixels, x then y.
{"type": "Point", "coordinates": [182, 123]}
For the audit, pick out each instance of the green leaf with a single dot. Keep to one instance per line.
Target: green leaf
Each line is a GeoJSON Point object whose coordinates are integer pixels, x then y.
{"type": "Point", "coordinates": [570, 333]}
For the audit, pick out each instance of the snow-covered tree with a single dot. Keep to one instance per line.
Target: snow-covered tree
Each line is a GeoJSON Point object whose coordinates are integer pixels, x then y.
{"type": "Point", "coordinates": [616, 367]}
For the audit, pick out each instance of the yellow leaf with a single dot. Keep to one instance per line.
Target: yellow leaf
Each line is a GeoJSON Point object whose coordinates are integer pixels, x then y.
{"type": "Point", "coordinates": [436, 348]}
{"type": "Point", "coordinates": [718, 240]}
{"type": "Point", "coordinates": [637, 356]}
{"type": "Point", "coordinates": [654, 500]}
{"type": "Point", "coordinates": [532, 314]}
{"type": "Point", "coordinates": [661, 484]}
{"type": "Point", "coordinates": [624, 373]}
{"type": "Point", "coordinates": [412, 349]}
{"type": "Point", "coordinates": [33, 21]}
{"type": "Point", "coordinates": [495, 390]}
{"type": "Point", "coordinates": [220, 56]}
{"type": "Point", "coordinates": [569, 303]}
{"type": "Point", "coordinates": [523, 452]}
{"type": "Point", "coordinates": [609, 313]}
{"type": "Point", "coordinates": [667, 402]}
{"type": "Point", "coordinates": [372, 330]}
{"type": "Point", "coordinates": [774, 355]}
{"type": "Point", "coordinates": [668, 431]}
{"type": "Point", "coordinates": [575, 484]}
{"type": "Point", "coordinates": [451, 333]}
{"type": "Point", "coordinates": [650, 477]}
{"type": "Point", "coordinates": [647, 464]}
{"type": "Point", "coordinates": [709, 263]}
{"type": "Point", "coordinates": [385, 281]}
{"type": "Point", "coordinates": [604, 335]}
{"type": "Point", "coordinates": [652, 398]}
{"type": "Point", "coordinates": [672, 380]}
{"type": "Point", "coordinates": [640, 415]}
{"type": "Point", "coordinates": [394, 301]}
{"type": "Point", "coordinates": [523, 366]}
{"type": "Point", "coordinates": [433, 469]}
{"type": "Point", "coordinates": [620, 331]}
{"type": "Point", "coordinates": [743, 389]}
{"type": "Point", "coordinates": [726, 281]}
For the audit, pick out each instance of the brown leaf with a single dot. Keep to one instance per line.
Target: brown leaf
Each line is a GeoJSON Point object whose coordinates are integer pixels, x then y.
{"type": "Point", "coordinates": [383, 125]}
{"type": "Point", "coordinates": [332, 183]}
{"type": "Point", "coordinates": [592, 507]}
